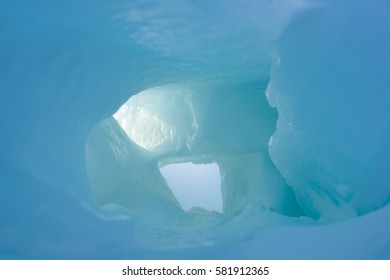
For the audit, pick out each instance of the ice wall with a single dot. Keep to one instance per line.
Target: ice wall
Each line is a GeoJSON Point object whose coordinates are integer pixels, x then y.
{"type": "Point", "coordinates": [67, 66]}
{"type": "Point", "coordinates": [329, 84]}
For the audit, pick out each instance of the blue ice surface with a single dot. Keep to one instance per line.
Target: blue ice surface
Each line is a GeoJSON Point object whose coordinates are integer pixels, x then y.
{"type": "Point", "coordinates": [290, 98]}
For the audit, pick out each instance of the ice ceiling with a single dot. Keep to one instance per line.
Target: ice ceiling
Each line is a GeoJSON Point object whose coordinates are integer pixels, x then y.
{"type": "Point", "coordinates": [289, 99]}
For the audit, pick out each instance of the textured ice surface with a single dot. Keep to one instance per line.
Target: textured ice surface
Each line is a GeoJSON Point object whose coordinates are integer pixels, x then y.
{"type": "Point", "coordinates": [289, 98]}
{"type": "Point", "coordinates": [334, 109]}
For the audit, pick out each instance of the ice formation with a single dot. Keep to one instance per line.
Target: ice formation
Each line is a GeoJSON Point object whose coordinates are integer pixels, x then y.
{"type": "Point", "coordinates": [289, 99]}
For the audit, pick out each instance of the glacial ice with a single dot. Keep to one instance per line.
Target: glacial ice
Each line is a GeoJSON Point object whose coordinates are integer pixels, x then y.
{"type": "Point", "coordinates": [288, 98]}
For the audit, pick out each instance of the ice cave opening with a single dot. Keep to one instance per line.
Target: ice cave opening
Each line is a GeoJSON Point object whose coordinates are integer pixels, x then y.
{"type": "Point", "coordinates": [178, 159]}
{"type": "Point", "coordinates": [195, 185]}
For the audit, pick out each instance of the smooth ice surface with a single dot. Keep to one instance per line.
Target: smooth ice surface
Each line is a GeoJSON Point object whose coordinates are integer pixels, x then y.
{"type": "Point", "coordinates": [290, 99]}
{"type": "Point", "coordinates": [195, 185]}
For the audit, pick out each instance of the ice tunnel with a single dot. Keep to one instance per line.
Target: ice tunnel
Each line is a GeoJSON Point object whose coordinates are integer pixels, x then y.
{"type": "Point", "coordinates": [194, 130]}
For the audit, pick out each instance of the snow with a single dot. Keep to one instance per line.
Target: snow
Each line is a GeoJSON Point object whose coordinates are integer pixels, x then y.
{"type": "Point", "coordinates": [288, 98]}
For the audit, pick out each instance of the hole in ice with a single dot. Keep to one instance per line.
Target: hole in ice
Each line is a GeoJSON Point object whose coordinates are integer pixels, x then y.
{"type": "Point", "coordinates": [143, 159]}
{"type": "Point", "coordinates": [158, 119]}
{"type": "Point", "coordinates": [195, 185]}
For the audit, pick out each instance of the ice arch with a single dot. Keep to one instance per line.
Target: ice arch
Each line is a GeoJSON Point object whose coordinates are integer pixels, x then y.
{"type": "Point", "coordinates": [68, 65]}
{"type": "Point", "coordinates": [200, 123]}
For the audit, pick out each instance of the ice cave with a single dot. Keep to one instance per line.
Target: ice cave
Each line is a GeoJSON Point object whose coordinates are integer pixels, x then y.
{"type": "Point", "coordinates": [256, 129]}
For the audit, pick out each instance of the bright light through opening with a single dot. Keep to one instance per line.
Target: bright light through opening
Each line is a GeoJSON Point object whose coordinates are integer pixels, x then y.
{"type": "Point", "coordinates": [158, 119]}
{"type": "Point", "coordinates": [143, 126]}
{"type": "Point", "coordinates": [195, 185]}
